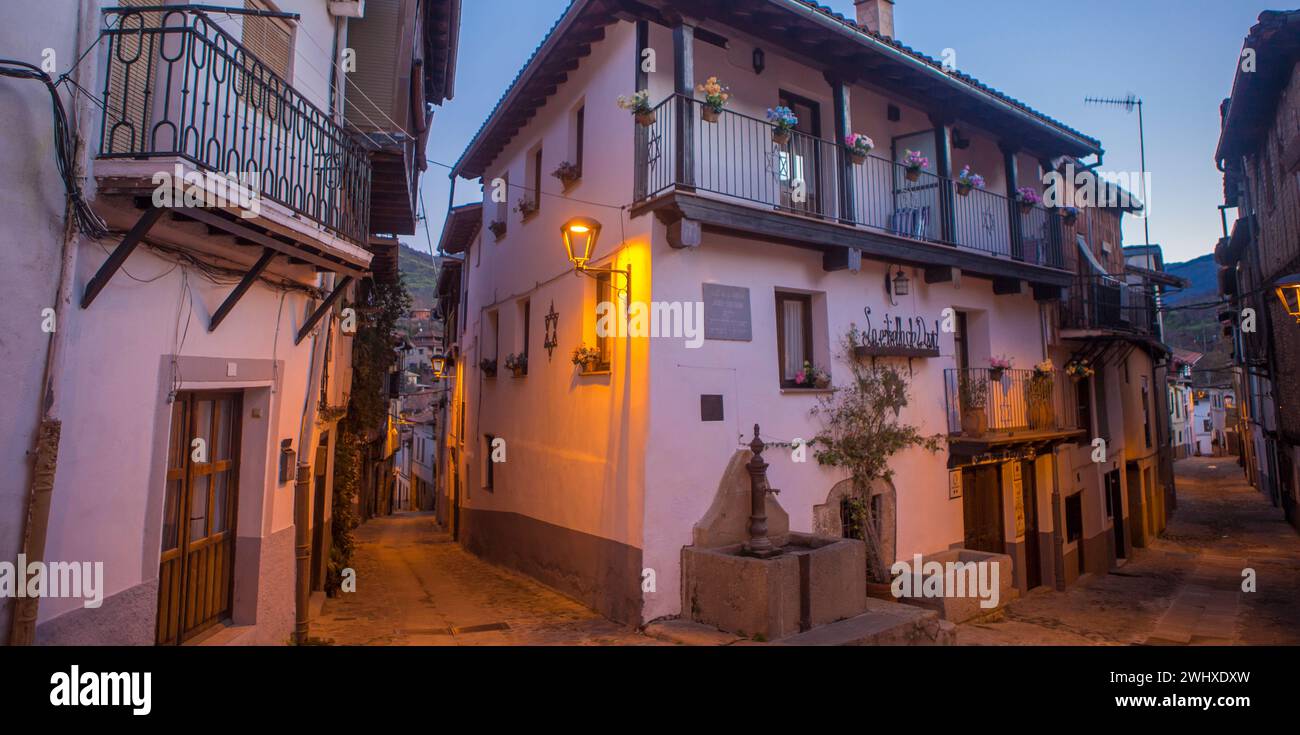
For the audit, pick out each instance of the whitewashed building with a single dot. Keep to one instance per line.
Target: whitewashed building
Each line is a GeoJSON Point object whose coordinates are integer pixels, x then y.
{"type": "Point", "coordinates": [175, 417]}
{"type": "Point", "coordinates": [785, 243]}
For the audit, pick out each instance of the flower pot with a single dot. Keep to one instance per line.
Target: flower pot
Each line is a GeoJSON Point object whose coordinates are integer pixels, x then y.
{"type": "Point", "coordinates": [974, 422]}
{"type": "Point", "coordinates": [963, 189]}
{"type": "Point", "coordinates": [1040, 415]}
{"type": "Point", "coordinates": [913, 174]}
{"type": "Point", "coordinates": [780, 136]}
{"type": "Point", "coordinates": [645, 119]}
{"type": "Point", "coordinates": [519, 372]}
{"type": "Point", "coordinates": [857, 158]}
{"type": "Point", "coordinates": [1070, 219]}
{"type": "Point", "coordinates": [995, 374]}
{"type": "Point", "coordinates": [710, 114]}
{"type": "Point", "coordinates": [1026, 207]}
{"type": "Point", "coordinates": [822, 383]}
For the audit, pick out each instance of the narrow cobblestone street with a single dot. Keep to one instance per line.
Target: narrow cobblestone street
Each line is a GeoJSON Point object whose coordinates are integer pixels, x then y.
{"type": "Point", "coordinates": [1183, 589]}
{"type": "Point", "coordinates": [415, 586]}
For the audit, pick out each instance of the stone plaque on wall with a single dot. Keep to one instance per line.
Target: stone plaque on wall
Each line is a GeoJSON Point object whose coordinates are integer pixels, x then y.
{"type": "Point", "coordinates": [726, 313]}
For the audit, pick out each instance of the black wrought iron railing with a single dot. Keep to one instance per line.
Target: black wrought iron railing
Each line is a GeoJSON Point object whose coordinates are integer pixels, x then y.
{"type": "Point", "coordinates": [1109, 303]}
{"type": "Point", "coordinates": [738, 156]}
{"type": "Point", "coordinates": [988, 401]}
{"type": "Point", "coordinates": [177, 84]}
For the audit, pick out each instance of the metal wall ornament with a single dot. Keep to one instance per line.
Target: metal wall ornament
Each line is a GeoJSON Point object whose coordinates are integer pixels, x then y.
{"type": "Point", "coordinates": [552, 332]}
{"type": "Point", "coordinates": [896, 338]}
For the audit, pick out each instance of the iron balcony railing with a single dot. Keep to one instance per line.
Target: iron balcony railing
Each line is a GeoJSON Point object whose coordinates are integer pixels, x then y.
{"type": "Point", "coordinates": [178, 85]}
{"type": "Point", "coordinates": [736, 156]}
{"type": "Point", "coordinates": [1109, 303]}
{"type": "Point", "coordinates": [987, 401]}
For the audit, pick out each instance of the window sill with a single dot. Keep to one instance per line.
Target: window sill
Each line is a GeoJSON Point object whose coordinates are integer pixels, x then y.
{"type": "Point", "coordinates": [809, 391]}
{"type": "Point", "coordinates": [528, 217]}
{"type": "Point", "coordinates": [604, 371]}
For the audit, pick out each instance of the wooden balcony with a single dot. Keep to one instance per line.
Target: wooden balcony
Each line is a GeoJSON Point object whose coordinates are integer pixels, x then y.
{"type": "Point", "coordinates": [988, 406]}
{"type": "Point", "coordinates": [737, 161]}
{"type": "Point", "coordinates": [1098, 305]}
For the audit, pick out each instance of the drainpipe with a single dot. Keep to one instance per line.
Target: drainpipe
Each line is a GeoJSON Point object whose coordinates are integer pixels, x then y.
{"type": "Point", "coordinates": [302, 483]}
{"type": "Point", "coordinates": [48, 426]}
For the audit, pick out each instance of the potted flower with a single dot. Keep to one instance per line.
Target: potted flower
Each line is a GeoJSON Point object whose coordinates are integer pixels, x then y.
{"type": "Point", "coordinates": [1039, 395]}
{"type": "Point", "coordinates": [639, 105]}
{"type": "Point", "coordinates": [967, 180]}
{"type": "Point", "coordinates": [1028, 198]}
{"type": "Point", "coordinates": [488, 366]}
{"type": "Point", "coordinates": [783, 119]}
{"type": "Point", "coordinates": [586, 357]}
{"type": "Point", "coordinates": [517, 364]}
{"type": "Point", "coordinates": [859, 146]}
{"type": "Point", "coordinates": [998, 366]}
{"type": "Point", "coordinates": [498, 228]}
{"type": "Point", "coordinates": [1070, 214]}
{"type": "Point", "coordinates": [526, 207]}
{"type": "Point", "coordinates": [1079, 369]}
{"type": "Point", "coordinates": [812, 377]}
{"type": "Point", "coordinates": [715, 98]}
{"type": "Point", "coordinates": [567, 173]}
{"type": "Point", "coordinates": [973, 393]}
{"type": "Point", "coordinates": [915, 163]}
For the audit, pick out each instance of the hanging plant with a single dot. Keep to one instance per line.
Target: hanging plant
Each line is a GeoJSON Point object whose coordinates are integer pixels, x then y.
{"type": "Point", "coordinates": [914, 163]}
{"type": "Point", "coordinates": [715, 98]}
{"type": "Point", "coordinates": [1070, 215]}
{"type": "Point", "coordinates": [586, 357]}
{"type": "Point", "coordinates": [1028, 198]}
{"type": "Point", "coordinates": [567, 173]}
{"type": "Point", "coordinates": [968, 180]}
{"type": "Point", "coordinates": [859, 147]}
{"type": "Point", "coordinates": [488, 366]}
{"type": "Point", "coordinates": [498, 228]}
{"type": "Point", "coordinates": [639, 105]}
{"type": "Point", "coordinates": [517, 364]}
{"type": "Point", "coordinates": [783, 121]}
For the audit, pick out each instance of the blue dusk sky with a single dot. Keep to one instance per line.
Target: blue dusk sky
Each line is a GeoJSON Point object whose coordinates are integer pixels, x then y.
{"type": "Point", "coordinates": [1179, 56]}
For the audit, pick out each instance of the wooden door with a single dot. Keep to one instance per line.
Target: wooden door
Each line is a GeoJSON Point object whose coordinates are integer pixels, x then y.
{"type": "Point", "coordinates": [199, 505]}
{"type": "Point", "coordinates": [1115, 506]}
{"type": "Point", "coordinates": [982, 508]}
{"type": "Point", "coordinates": [1029, 499]}
{"type": "Point", "coordinates": [802, 156]}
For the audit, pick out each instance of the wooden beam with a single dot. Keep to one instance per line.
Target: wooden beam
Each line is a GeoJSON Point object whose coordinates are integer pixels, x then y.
{"type": "Point", "coordinates": [942, 274]}
{"type": "Point", "coordinates": [843, 126]}
{"type": "Point", "coordinates": [240, 230]}
{"type": "Point", "coordinates": [1045, 292]}
{"type": "Point", "coordinates": [1008, 286]}
{"type": "Point", "coordinates": [121, 253]}
{"type": "Point", "coordinates": [684, 85]}
{"type": "Point", "coordinates": [685, 233]}
{"type": "Point", "coordinates": [241, 288]}
{"type": "Point", "coordinates": [839, 259]}
{"type": "Point", "coordinates": [323, 309]}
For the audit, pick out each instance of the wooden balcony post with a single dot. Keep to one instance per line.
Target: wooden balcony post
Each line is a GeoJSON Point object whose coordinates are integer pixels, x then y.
{"type": "Point", "coordinates": [943, 162]}
{"type": "Point", "coordinates": [1055, 235]}
{"type": "Point", "coordinates": [1013, 207]}
{"type": "Point", "coordinates": [843, 127]}
{"type": "Point", "coordinates": [684, 85]}
{"type": "Point", "coordinates": [642, 134]}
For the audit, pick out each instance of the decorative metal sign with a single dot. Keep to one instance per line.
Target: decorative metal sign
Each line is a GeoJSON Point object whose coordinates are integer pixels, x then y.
{"type": "Point", "coordinates": [897, 338]}
{"type": "Point", "coordinates": [552, 331]}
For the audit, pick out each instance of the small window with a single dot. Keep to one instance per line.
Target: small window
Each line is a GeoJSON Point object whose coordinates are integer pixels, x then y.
{"type": "Point", "coordinates": [526, 309]}
{"type": "Point", "coordinates": [490, 345]}
{"type": "Point", "coordinates": [579, 133]}
{"type": "Point", "coordinates": [489, 467]}
{"type": "Point", "coordinates": [604, 343]}
{"type": "Point", "coordinates": [503, 206]}
{"type": "Point", "coordinates": [533, 196]}
{"type": "Point", "coordinates": [793, 335]}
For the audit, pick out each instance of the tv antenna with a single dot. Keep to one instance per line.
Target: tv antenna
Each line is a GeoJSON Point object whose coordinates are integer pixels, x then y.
{"type": "Point", "coordinates": [1128, 102]}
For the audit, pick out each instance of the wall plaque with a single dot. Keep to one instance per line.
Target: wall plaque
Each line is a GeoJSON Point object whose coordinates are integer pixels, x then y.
{"type": "Point", "coordinates": [726, 313]}
{"type": "Point", "coordinates": [711, 407]}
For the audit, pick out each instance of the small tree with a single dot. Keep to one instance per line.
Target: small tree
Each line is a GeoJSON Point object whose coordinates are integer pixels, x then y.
{"type": "Point", "coordinates": [861, 432]}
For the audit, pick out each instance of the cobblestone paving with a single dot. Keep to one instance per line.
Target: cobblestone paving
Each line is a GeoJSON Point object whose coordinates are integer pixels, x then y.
{"type": "Point", "coordinates": [1186, 587]}
{"type": "Point", "coordinates": [416, 587]}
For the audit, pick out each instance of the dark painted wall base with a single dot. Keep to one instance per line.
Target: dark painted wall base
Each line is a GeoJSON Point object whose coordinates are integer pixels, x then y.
{"type": "Point", "coordinates": [602, 574]}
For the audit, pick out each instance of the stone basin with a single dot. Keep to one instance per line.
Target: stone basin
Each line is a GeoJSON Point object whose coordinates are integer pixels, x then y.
{"type": "Point", "coordinates": [814, 581]}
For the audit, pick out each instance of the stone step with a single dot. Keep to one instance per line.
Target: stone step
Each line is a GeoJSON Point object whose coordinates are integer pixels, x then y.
{"type": "Point", "coordinates": [883, 624]}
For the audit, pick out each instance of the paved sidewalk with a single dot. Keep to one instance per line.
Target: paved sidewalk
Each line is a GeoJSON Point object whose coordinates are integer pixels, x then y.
{"type": "Point", "coordinates": [416, 587]}
{"type": "Point", "coordinates": [1186, 588]}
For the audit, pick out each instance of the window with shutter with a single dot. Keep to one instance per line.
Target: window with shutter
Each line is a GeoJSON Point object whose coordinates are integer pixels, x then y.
{"type": "Point", "coordinates": [132, 58]}
{"type": "Point", "coordinates": [269, 39]}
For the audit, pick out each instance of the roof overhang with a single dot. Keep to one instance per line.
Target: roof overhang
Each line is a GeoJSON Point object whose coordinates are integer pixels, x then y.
{"type": "Point", "coordinates": [1248, 113]}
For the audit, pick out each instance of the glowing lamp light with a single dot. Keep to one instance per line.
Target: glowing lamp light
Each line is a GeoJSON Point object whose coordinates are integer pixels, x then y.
{"type": "Point", "coordinates": [439, 365]}
{"type": "Point", "coordinates": [580, 236]}
{"type": "Point", "coordinates": [1288, 290]}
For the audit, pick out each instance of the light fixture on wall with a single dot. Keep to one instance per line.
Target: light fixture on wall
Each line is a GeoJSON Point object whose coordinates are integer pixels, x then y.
{"type": "Point", "coordinates": [1288, 290]}
{"type": "Point", "coordinates": [760, 61]}
{"type": "Point", "coordinates": [580, 236]}
{"type": "Point", "coordinates": [897, 284]}
{"type": "Point", "coordinates": [439, 365]}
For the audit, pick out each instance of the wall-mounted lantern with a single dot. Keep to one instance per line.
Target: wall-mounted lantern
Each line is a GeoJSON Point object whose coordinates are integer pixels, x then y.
{"type": "Point", "coordinates": [1288, 290]}
{"type": "Point", "coordinates": [896, 284]}
{"type": "Point", "coordinates": [439, 365]}
{"type": "Point", "coordinates": [580, 236]}
{"type": "Point", "coordinates": [759, 60]}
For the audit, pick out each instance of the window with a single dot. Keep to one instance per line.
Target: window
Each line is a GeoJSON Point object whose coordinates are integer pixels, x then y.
{"type": "Point", "coordinates": [490, 345]}
{"type": "Point", "coordinates": [579, 133]}
{"type": "Point", "coordinates": [961, 343]}
{"type": "Point", "coordinates": [489, 467]}
{"type": "Point", "coordinates": [533, 175]}
{"type": "Point", "coordinates": [1083, 402]}
{"type": "Point", "coordinates": [1074, 517]}
{"type": "Point", "coordinates": [526, 309]}
{"type": "Point", "coordinates": [269, 39]}
{"type": "Point", "coordinates": [1146, 411]}
{"type": "Point", "coordinates": [604, 295]}
{"type": "Point", "coordinates": [793, 335]}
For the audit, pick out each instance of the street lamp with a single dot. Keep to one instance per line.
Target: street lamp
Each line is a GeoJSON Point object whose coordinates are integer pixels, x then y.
{"type": "Point", "coordinates": [580, 235]}
{"type": "Point", "coordinates": [1288, 290]}
{"type": "Point", "coordinates": [439, 365]}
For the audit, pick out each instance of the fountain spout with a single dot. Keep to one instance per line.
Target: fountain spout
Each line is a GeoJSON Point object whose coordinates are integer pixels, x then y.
{"type": "Point", "coordinates": [759, 544]}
